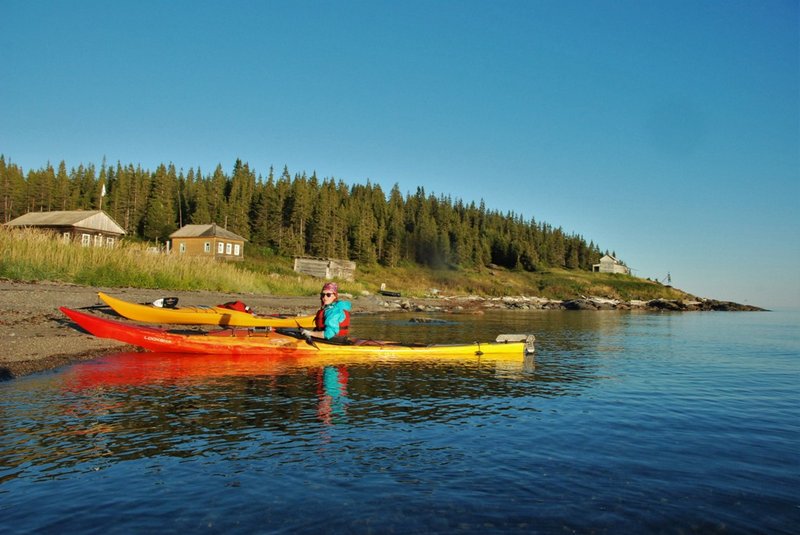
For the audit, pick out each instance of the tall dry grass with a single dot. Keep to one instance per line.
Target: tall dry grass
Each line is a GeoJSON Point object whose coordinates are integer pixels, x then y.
{"type": "Point", "coordinates": [33, 255]}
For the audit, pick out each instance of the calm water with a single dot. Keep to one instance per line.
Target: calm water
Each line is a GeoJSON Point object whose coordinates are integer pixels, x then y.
{"type": "Point", "coordinates": [623, 423]}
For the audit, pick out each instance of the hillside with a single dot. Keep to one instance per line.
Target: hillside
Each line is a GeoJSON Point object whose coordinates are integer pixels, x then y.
{"type": "Point", "coordinates": [33, 256]}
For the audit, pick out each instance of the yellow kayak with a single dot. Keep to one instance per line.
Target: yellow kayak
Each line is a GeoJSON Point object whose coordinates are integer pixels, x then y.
{"type": "Point", "coordinates": [200, 315]}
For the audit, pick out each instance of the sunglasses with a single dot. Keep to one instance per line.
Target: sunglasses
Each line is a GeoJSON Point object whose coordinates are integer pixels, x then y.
{"type": "Point", "coordinates": [325, 294]}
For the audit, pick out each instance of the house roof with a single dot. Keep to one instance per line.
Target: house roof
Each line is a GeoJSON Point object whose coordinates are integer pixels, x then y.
{"type": "Point", "coordinates": [205, 231]}
{"type": "Point", "coordinates": [89, 219]}
{"type": "Point", "coordinates": [610, 257]}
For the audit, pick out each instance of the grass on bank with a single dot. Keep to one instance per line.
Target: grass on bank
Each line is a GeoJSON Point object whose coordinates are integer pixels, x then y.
{"type": "Point", "coordinates": [31, 255]}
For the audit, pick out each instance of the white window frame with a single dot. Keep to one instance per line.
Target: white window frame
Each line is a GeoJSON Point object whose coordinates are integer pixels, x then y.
{"type": "Point", "coordinates": [228, 248]}
{"type": "Point", "coordinates": [220, 247]}
{"type": "Point", "coordinates": [182, 247]}
{"type": "Point", "coordinates": [86, 240]}
{"type": "Point", "coordinates": [207, 247]}
{"type": "Point", "coordinates": [98, 240]}
{"type": "Point", "coordinates": [109, 241]}
{"type": "Point", "coordinates": [236, 249]}
{"type": "Point", "coordinates": [66, 236]}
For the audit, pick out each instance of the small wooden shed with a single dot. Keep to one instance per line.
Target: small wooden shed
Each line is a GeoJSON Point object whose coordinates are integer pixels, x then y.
{"type": "Point", "coordinates": [325, 268]}
{"type": "Point", "coordinates": [91, 228]}
{"type": "Point", "coordinates": [609, 264]}
{"type": "Point", "coordinates": [207, 240]}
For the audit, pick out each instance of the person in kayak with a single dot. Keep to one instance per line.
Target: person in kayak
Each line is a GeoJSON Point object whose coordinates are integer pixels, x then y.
{"type": "Point", "coordinates": [333, 317]}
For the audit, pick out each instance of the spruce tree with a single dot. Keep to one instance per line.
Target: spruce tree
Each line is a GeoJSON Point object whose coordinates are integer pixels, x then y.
{"type": "Point", "coordinates": [242, 185]}
{"type": "Point", "coordinates": [61, 188]}
{"type": "Point", "coordinates": [197, 192]}
{"type": "Point", "coordinates": [159, 221]}
{"type": "Point", "coordinates": [13, 190]}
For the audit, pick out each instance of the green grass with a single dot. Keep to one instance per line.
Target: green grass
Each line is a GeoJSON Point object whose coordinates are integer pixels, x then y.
{"type": "Point", "coordinates": [30, 255]}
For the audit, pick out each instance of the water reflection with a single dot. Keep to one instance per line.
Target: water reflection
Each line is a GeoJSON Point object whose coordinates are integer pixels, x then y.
{"type": "Point", "coordinates": [332, 392]}
{"type": "Point", "coordinates": [138, 405]}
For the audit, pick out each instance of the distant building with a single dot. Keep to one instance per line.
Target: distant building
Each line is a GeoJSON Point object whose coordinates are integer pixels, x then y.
{"type": "Point", "coordinates": [207, 240]}
{"type": "Point", "coordinates": [609, 264]}
{"type": "Point", "coordinates": [325, 268]}
{"type": "Point", "coordinates": [90, 228]}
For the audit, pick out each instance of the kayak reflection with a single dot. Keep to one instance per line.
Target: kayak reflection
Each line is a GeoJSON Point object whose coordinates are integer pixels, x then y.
{"type": "Point", "coordinates": [140, 369]}
{"type": "Point", "coordinates": [143, 368]}
{"type": "Point", "coordinates": [332, 392]}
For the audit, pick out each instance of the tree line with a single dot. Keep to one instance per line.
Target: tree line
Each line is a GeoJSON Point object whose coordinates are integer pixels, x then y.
{"type": "Point", "coordinates": [299, 215]}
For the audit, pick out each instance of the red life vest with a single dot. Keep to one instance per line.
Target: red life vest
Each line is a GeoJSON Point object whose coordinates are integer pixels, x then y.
{"type": "Point", "coordinates": [344, 326]}
{"type": "Point", "coordinates": [236, 305]}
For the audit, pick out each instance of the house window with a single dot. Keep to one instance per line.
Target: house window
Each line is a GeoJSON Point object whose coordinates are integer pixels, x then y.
{"type": "Point", "coordinates": [235, 249]}
{"type": "Point", "coordinates": [98, 240]}
{"type": "Point", "coordinates": [228, 248]}
{"type": "Point", "coordinates": [182, 247]}
{"type": "Point", "coordinates": [207, 247]}
{"type": "Point", "coordinates": [65, 236]}
{"type": "Point", "coordinates": [86, 240]}
{"type": "Point", "coordinates": [220, 248]}
{"type": "Point", "coordinates": [109, 242]}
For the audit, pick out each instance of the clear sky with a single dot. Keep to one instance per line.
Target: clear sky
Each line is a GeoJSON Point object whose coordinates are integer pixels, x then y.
{"type": "Point", "coordinates": [665, 131]}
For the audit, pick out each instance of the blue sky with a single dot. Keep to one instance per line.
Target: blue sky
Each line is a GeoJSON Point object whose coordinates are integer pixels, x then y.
{"type": "Point", "coordinates": [666, 131]}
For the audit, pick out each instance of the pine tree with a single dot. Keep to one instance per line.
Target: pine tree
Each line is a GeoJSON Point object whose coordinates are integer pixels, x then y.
{"type": "Point", "coordinates": [13, 190]}
{"type": "Point", "coordinates": [261, 204]}
{"type": "Point", "coordinates": [321, 235]}
{"type": "Point", "coordinates": [218, 197]}
{"type": "Point", "coordinates": [61, 188]}
{"type": "Point", "coordinates": [278, 222]}
{"type": "Point", "coordinates": [299, 207]}
{"type": "Point", "coordinates": [394, 229]}
{"type": "Point", "coordinates": [242, 185]}
{"type": "Point", "coordinates": [199, 212]}
{"type": "Point", "coordinates": [362, 225]}
{"type": "Point", "coordinates": [159, 221]}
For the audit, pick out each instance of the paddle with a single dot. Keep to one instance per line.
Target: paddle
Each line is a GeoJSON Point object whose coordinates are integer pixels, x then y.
{"type": "Point", "coordinates": [93, 307]}
{"type": "Point", "coordinates": [308, 338]}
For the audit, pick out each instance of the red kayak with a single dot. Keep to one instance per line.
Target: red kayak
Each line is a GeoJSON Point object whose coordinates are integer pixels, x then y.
{"type": "Point", "coordinates": [286, 342]}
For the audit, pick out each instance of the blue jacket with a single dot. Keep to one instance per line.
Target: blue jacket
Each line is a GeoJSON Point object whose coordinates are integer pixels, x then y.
{"type": "Point", "coordinates": [335, 314]}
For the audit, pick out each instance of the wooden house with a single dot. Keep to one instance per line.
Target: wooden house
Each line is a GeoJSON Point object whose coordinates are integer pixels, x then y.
{"type": "Point", "coordinates": [90, 228]}
{"type": "Point", "coordinates": [609, 264]}
{"type": "Point", "coordinates": [326, 268]}
{"type": "Point", "coordinates": [207, 240]}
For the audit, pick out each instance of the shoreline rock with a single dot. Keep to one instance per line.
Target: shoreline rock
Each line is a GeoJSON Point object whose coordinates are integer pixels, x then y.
{"type": "Point", "coordinates": [471, 303]}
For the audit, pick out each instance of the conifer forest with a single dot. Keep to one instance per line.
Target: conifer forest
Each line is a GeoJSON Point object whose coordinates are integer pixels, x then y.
{"type": "Point", "coordinates": [299, 215]}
